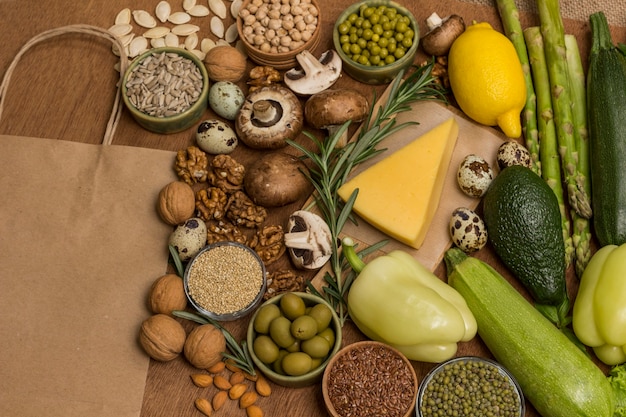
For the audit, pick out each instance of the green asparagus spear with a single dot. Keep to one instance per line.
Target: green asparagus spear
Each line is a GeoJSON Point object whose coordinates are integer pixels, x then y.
{"type": "Point", "coordinates": [548, 151]}
{"type": "Point", "coordinates": [554, 44]}
{"type": "Point", "coordinates": [509, 14]}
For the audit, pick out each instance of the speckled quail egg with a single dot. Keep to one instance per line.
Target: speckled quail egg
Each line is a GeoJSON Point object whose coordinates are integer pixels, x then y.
{"type": "Point", "coordinates": [188, 238]}
{"type": "Point", "coordinates": [226, 98]}
{"type": "Point", "coordinates": [216, 137]}
{"type": "Point", "coordinates": [467, 229]}
{"type": "Point", "coordinates": [474, 175]}
{"type": "Point", "coordinates": [512, 153]}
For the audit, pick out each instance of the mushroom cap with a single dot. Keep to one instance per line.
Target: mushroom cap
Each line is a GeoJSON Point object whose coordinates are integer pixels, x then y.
{"type": "Point", "coordinates": [334, 107]}
{"type": "Point", "coordinates": [438, 40]}
{"type": "Point", "coordinates": [286, 123]}
{"type": "Point", "coordinates": [314, 75]}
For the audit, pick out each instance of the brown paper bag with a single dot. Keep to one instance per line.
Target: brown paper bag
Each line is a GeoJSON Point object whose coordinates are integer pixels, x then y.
{"type": "Point", "coordinates": [80, 245]}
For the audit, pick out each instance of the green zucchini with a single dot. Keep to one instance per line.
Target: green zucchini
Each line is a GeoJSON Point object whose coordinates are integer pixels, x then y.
{"type": "Point", "coordinates": [556, 376]}
{"type": "Point", "coordinates": [606, 113]}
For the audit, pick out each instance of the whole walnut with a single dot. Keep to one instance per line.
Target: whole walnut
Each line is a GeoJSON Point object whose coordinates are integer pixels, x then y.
{"type": "Point", "coordinates": [204, 346]}
{"type": "Point", "coordinates": [162, 337]}
{"type": "Point", "coordinates": [225, 63]}
{"type": "Point", "coordinates": [167, 294]}
{"type": "Point", "coordinates": [176, 203]}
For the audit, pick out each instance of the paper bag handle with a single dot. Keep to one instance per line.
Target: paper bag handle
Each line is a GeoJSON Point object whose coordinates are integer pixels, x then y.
{"type": "Point", "coordinates": [116, 111]}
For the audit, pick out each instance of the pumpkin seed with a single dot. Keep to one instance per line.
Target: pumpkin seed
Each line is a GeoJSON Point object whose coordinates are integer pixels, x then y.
{"type": "Point", "coordinates": [123, 17]}
{"type": "Point", "coordinates": [198, 11]}
{"type": "Point", "coordinates": [120, 29]}
{"type": "Point", "coordinates": [217, 27]}
{"type": "Point", "coordinates": [185, 29]}
{"type": "Point", "coordinates": [144, 19]}
{"type": "Point", "coordinates": [218, 7]}
{"type": "Point", "coordinates": [171, 40]}
{"type": "Point", "coordinates": [137, 46]}
{"type": "Point", "coordinates": [156, 32]}
{"type": "Point", "coordinates": [191, 41]}
{"type": "Point", "coordinates": [158, 42]}
{"type": "Point", "coordinates": [126, 39]}
{"type": "Point", "coordinates": [234, 8]}
{"type": "Point", "coordinates": [231, 34]}
{"type": "Point", "coordinates": [206, 44]}
{"type": "Point", "coordinates": [163, 11]}
{"type": "Point", "coordinates": [178, 18]}
{"type": "Point", "coordinates": [188, 4]}
{"type": "Point", "coordinates": [201, 55]}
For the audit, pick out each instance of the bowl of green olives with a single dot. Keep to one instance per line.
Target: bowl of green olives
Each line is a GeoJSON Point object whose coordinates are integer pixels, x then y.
{"type": "Point", "coordinates": [292, 337]}
{"type": "Point", "coordinates": [470, 385]}
{"type": "Point", "coordinates": [376, 39]}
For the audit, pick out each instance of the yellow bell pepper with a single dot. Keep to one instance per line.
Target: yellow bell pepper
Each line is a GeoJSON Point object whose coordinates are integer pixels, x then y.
{"type": "Point", "coordinates": [599, 313]}
{"type": "Point", "coordinates": [396, 300]}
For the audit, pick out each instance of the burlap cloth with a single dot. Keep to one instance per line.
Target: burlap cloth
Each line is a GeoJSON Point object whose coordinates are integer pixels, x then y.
{"type": "Point", "coordinates": [615, 11]}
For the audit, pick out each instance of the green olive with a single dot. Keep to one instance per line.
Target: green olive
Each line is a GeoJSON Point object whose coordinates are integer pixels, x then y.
{"type": "Point", "coordinates": [295, 347]}
{"type": "Point", "coordinates": [292, 305]}
{"type": "Point", "coordinates": [264, 317]}
{"type": "Point", "coordinates": [329, 335]}
{"type": "Point", "coordinates": [315, 347]}
{"type": "Point", "coordinates": [304, 327]}
{"type": "Point", "coordinates": [296, 363]}
{"type": "Point", "coordinates": [280, 332]}
{"type": "Point", "coordinates": [322, 315]}
{"type": "Point", "coordinates": [265, 349]}
{"type": "Point", "coordinates": [277, 365]}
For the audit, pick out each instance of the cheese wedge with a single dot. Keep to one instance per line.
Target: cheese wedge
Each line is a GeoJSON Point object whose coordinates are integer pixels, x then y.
{"type": "Point", "coordinates": [399, 194]}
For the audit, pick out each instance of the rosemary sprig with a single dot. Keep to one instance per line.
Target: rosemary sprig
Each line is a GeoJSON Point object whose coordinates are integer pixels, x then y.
{"type": "Point", "coordinates": [238, 352]}
{"type": "Point", "coordinates": [331, 167]}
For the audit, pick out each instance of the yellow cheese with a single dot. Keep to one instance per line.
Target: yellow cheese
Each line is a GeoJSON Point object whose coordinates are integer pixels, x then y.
{"type": "Point", "coordinates": [399, 195]}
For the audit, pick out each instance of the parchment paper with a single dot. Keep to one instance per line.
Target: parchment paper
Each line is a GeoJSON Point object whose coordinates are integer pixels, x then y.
{"type": "Point", "coordinates": [80, 245]}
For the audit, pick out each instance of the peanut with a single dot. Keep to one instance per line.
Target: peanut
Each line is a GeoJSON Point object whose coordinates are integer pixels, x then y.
{"type": "Point", "coordinates": [236, 391]}
{"type": "Point", "coordinates": [204, 406]}
{"type": "Point", "coordinates": [202, 380]}
{"type": "Point", "coordinates": [219, 399]}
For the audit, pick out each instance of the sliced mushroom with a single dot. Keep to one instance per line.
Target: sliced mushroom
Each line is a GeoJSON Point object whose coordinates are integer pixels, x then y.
{"type": "Point", "coordinates": [268, 117]}
{"type": "Point", "coordinates": [442, 33]}
{"type": "Point", "coordinates": [331, 108]}
{"type": "Point", "coordinates": [314, 75]}
{"type": "Point", "coordinates": [308, 240]}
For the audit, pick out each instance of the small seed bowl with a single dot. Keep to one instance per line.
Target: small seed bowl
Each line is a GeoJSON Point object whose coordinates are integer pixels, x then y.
{"type": "Point", "coordinates": [371, 73]}
{"type": "Point", "coordinates": [225, 281]}
{"type": "Point", "coordinates": [492, 386]}
{"type": "Point", "coordinates": [273, 370]}
{"type": "Point", "coordinates": [370, 375]}
{"type": "Point", "coordinates": [160, 117]}
{"type": "Point", "coordinates": [278, 60]}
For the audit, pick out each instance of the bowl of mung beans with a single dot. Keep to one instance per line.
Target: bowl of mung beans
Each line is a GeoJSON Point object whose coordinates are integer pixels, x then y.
{"type": "Point", "coordinates": [369, 378]}
{"type": "Point", "coordinates": [376, 39]}
{"type": "Point", "coordinates": [470, 386]}
{"type": "Point", "coordinates": [274, 32]}
{"type": "Point", "coordinates": [225, 281]}
{"type": "Point", "coordinates": [166, 89]}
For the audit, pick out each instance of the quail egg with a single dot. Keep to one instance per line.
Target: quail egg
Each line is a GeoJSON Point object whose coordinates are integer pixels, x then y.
{"type": "Point", "coordinates": [216, 137]}
{"type": "Point", "coordinates": [474, 175]}
{"type": "Point", "coordinates": [513, 153]}
{"type": "Point", "coordinates": [226, 98]}
{"type": "Point", "coordinates": [467, 229]}
{"type": "Point", "coordinates": [188, 238]}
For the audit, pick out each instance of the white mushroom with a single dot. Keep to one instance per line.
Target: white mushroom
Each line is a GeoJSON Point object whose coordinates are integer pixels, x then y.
{"type": "Point", "coordinates": [308, 240]}
{"type": "Point", "coordinates": [314, 75]}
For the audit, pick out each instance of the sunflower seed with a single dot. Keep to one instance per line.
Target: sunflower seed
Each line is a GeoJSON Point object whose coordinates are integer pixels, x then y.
{"type": "Point", "coordinates": [156, 32]}
{"type": "Point", "coordinates": [218, 7]}
{"type": "Point", "coordinates": [231, 34]}
{"type": "Point", "coordinates": [144, 19]}
{"type": "Point", "coordinates": [163, 11]}
{"type": "Point", "coordinates": [198, 11]}
{"type": "Point", "coordinates": [120, 29]}
{"type": "Point", "coordinates": [178, 18]}
{"type": "Point", "coordinates": [217, 27]}
{"type": "Point", "coordinates": [191, 41]}
{"type": "Point", "coordinates": [185, 29]}
{"type": "Point", "coordinates": [123, 17]}
{"type": "Point", "coordinates": [188, 4]}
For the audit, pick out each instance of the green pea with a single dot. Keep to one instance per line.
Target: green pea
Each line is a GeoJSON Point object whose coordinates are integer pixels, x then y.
{"type": "Point", "coordinates": [383, 42]}
{"type": "Point", "coordinates": [343, 28]}
{"type": "Point", "coordinates": [375, 60]}
{"type": "Point", "coordinates": [374, 18]}
{"type": "Point", "coordinates": [399, 53]}
{"type": "Point", "coordinates": [375, 51]}
{"type": "Point", "coordinates": [345, 47]}
{"type": "Point", "coordinates": [355, 49]}
{"type": "Point", "coordinates": [367, 34]}
{"type": "Point", "coordinates": [352, 18]}
{"type": "Point", "coordinates": [344, 38]}
{"type": "Point", "coordinates": [363, 60]}
{"type": "Point", "coordinates": [401, 27]}
{"type": "Point", "coordinates": [407, 42]}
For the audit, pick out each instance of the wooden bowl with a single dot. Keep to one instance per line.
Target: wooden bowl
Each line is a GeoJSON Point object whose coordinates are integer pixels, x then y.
{"type": "Point", "coordinates": [361, 371]}
{"type": "Point", "coordinates": [281, 60]}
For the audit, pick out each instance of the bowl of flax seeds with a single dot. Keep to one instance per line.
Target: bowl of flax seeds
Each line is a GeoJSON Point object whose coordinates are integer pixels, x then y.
{"type": "Point", "coordinates": [225, 281]}
{"type": "Point", "coordinates": [166, 89]}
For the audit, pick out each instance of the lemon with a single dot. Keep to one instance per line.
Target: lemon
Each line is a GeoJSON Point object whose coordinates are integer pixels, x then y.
{"type": "Point", "coordinates": [487, 79]}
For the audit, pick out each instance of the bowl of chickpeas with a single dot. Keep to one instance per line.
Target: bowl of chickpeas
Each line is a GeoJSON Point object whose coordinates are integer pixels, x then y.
{"type": "Point", "coordinates": [376, 39]}
{"type": "Point", "coordinates": [274, 32]}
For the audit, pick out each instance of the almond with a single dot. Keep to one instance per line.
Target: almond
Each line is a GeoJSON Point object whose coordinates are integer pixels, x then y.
{"type": "Point", "coordinates": [263, 387]}
{"type": "Point", "coordinates": [236, 391]}
{"type": "Point", "coordinates": [237, 378]}
{"type": "Point", "coordinates": [219, 399]}
{"type": "Point", "coordinates": [202, 380]}
{"type": "Point", "coordinates": [222, 383]}
{"type": "Point", "coordinates": [217, 368]}
{"type": "Point", "coordinates": [247, 399]}
{"type": "Point", "coordinates": [204, 406]}
{"type": "Point", "coordinates": [254, 411]}
{"type": "Point", "coordinates": [231, 366]}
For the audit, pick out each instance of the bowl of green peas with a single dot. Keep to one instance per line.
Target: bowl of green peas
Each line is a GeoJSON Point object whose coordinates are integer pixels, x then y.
{"type": "Point", "coordinates": [376, 39]}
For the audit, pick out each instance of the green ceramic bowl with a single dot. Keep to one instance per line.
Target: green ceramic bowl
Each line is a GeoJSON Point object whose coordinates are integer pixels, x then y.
{"type": "Point", "coordinates": [314, 375]}
{"type": "Point", "coordinates": [370, 74]}
{"type": "Point", "coordinates": [171, 123]}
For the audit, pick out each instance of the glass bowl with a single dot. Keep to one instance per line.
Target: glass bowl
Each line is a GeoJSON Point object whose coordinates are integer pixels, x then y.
{"type": "Point", "coordinates": [225, 281]}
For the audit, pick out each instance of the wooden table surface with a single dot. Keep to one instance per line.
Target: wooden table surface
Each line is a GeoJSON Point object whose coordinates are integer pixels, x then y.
{"type": "Point", "coordinates": [64, 89]}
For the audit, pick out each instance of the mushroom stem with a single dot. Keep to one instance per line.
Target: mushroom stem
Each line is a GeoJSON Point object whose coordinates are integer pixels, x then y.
{"type": "Point", "coordinates": [299, 240]}
{"type": "Point", "coordinates": [433, 21]}
{"type": "Point", "coordinates": [264, 112]}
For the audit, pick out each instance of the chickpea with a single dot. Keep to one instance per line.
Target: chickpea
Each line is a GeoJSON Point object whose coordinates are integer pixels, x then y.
{"type": "Point", "coordinates": [249, 20]}
{"type": "Point", "coordinates": [309, 18]}
{"type": "Point", "coordinates": [252, 8]}
{"type": "Point", "coordinates": [274, 14]}
{"type": "Point", "coordinates": [274, 24]}
{"type": "Point", "coordinates": [256, 3]}
{"type": "Point", "coordinates": [270, 34]}
{"type": "Point", "coordinates": [259, 30]}
{"type": "Point", "coordinates": [285, 40]}
{"type": "Point", "coordinates": [297, 10]}
{"type": "Point", "coordinates": [244, 13]}
{"type": "Point", "coordinates": [260, 14]}
{"type": "Point", "coordinates": [259, 40]}
{"type": "Point", "coordinates": [295, 35]}
{"type": "Point", "coordinates": [288, 25]}
{"type": "Point", "coordinates": [306, 35]}
{"type": "Point", "coordinates": [285, 9]}
{"type": "Point", "coordinates": [265, 47]}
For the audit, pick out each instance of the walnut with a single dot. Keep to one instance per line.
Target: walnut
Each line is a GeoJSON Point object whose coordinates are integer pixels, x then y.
{"type": "Point", "coordinates": [227, 173]}
{"type": "Point", "coordinates": [440, 71]}
{"type": "Point", "coordinates": [221, 231]}
{"type": "Point", "coordinates": [242, 211]}
{"type": "Point", "coordinates": [269, 243]}
{"type": "Point", "coordinates": [162, 337]}
{"type": "Point", "coordinates": [191, 165]}
{"type": "Point", "coordinates": [167, 294]}
{"type": "Point", "coordinates": [262, 76]}
{"type": "Point", "coordinates": [176, 203]}
{"type": "Point", "coordinates": [282, 281]}
{"type": "Point", "coordinates": [225, 63]}
{"type": "Point", "coordinates": [204, 346]}
{"type": "Point", "coordinates": [211, 203]}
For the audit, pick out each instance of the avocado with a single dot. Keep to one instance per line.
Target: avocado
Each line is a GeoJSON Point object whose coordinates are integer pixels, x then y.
{"type": "Point", "coordinates": [523, 223]}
